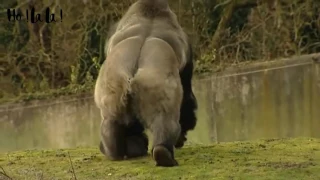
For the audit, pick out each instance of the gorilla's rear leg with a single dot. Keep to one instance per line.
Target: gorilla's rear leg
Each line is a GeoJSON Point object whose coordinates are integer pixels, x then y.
{"type": "Point", "coordinates": [165, 134]}
{"type": "Point", "coordinates": [113, 143]}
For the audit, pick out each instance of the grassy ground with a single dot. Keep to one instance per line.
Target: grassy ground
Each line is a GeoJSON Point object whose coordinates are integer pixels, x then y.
{"type": "Point", "coordinates": [264, 159]}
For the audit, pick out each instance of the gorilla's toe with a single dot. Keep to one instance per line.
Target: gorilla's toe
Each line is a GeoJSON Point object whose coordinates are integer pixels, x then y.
{"type": "Point", "coordinates": [163, 157]}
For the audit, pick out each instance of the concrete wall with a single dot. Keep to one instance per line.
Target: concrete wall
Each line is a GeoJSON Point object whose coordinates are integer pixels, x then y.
{"type": "Point", "coordinates": [263, 100]}
{"type": "Point", "coordinates": [59, 123]}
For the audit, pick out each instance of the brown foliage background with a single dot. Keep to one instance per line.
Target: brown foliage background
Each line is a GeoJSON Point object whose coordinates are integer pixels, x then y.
{"type": "Point", "coordinates": [67, 54]}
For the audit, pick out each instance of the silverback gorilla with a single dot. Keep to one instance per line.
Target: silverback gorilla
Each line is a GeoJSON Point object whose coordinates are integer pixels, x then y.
{"type": "Point", "coordinates": [145, 82]}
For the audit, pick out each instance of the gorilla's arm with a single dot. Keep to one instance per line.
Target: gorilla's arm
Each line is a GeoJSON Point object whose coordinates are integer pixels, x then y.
{"type": "Point", "coordinates": [189, 105]}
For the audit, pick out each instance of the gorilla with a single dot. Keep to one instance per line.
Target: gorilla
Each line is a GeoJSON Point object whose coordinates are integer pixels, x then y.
{"type": "Point", "coordinates": [145, 82]}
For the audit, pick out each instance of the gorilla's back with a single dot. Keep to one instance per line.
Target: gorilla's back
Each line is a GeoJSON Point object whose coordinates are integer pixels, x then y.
{"type": "Point", "coordinates": [152, 18]}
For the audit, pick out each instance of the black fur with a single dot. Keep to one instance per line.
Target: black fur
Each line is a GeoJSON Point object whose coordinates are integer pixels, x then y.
{"type": "Point", "coordinates": [188, 118]}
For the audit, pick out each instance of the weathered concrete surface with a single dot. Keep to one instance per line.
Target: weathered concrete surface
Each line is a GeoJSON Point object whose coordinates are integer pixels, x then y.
{"type": "Point", "coordinates": [264, 100]}
{"type": "Point", "coordinates": [63, 122]}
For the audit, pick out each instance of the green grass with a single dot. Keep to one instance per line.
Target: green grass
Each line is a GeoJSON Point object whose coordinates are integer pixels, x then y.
{"type": "Point", "coordinates": [265, 159]}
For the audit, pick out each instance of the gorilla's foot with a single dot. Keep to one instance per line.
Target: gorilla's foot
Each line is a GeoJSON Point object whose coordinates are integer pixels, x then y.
{"type": "Point", "coordinates": [107, 155]}
{"type": "Point", "coordinates": [181, 140]}
{"type": "Point", "coordinates": [137, 146]}
{"type": "Point", "coordinates": [163, 157]}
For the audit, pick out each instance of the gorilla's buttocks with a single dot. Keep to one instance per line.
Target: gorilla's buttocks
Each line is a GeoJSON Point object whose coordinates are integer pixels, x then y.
{"type": "Point", "coordinates": [145, 82]}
